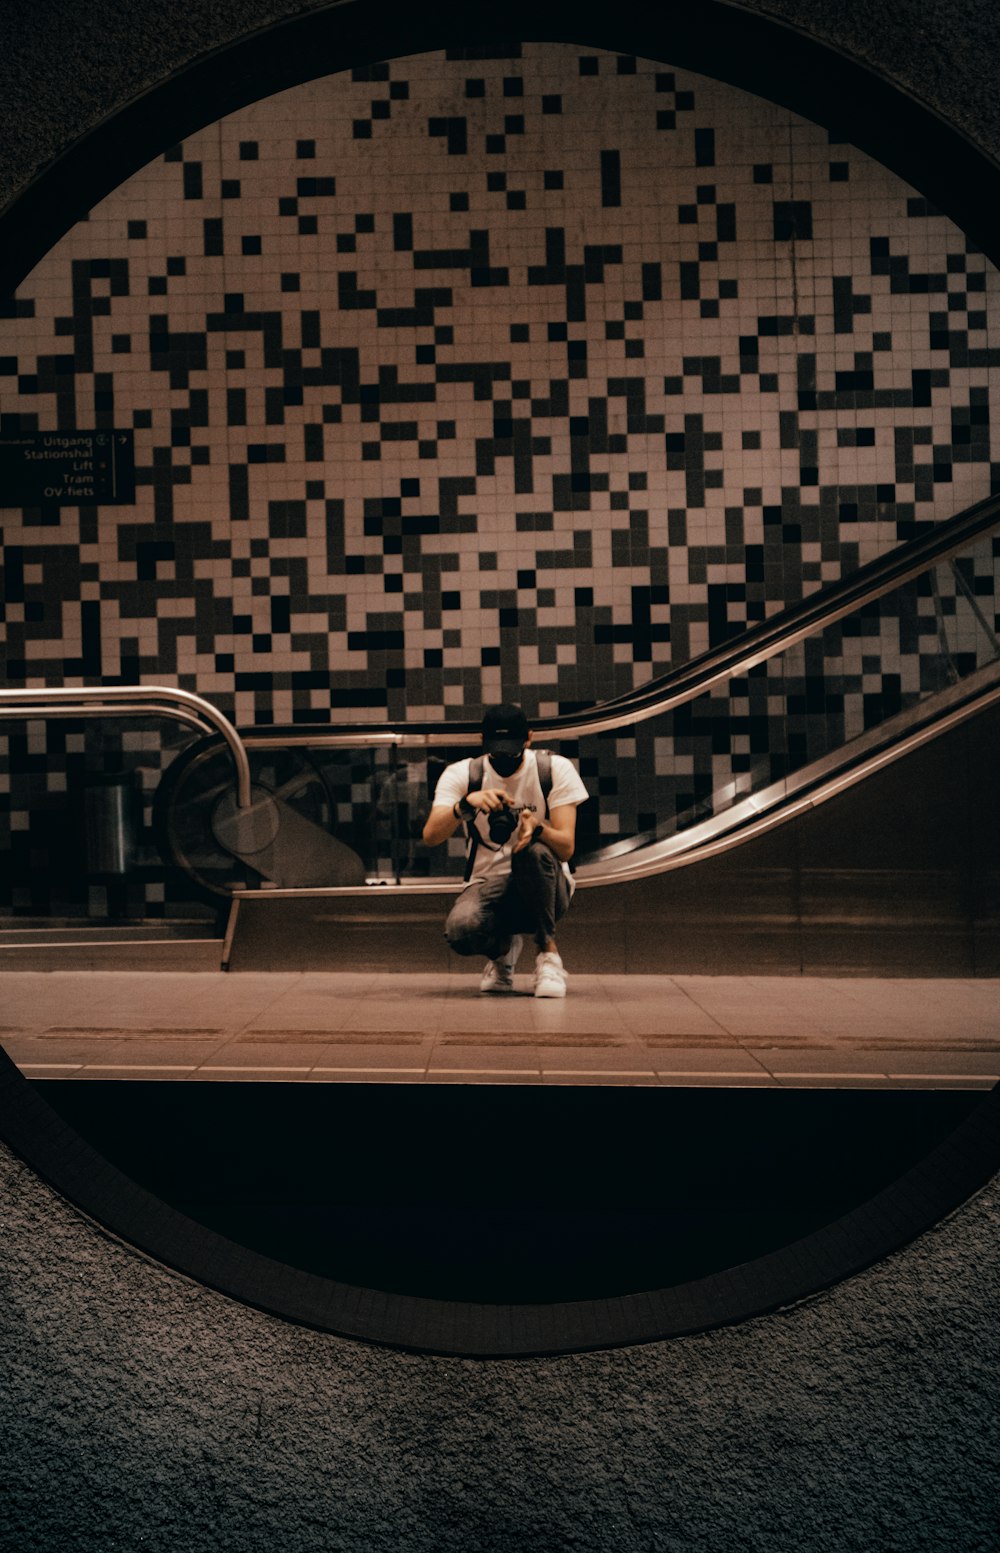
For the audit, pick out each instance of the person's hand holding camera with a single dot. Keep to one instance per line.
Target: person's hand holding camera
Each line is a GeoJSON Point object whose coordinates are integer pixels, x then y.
{"type": "Point", "coordinates": [489, 799]}
{"type": "Point", "coordinates": [527, 824]}
{"type": "Point", "coordinates": [498, 807]}
{"type": "Point", "coordinates": [506, 820]}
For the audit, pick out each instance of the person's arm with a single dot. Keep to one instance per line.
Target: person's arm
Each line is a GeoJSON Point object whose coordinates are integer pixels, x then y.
{"type": "Point", "coordinates": [443, 821]}
{"type": "Point", "coordinates": [558, 832]}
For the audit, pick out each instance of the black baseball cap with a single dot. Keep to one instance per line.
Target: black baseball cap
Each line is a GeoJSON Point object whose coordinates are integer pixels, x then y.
{"type": "Point", "coordinates": [505, 729]}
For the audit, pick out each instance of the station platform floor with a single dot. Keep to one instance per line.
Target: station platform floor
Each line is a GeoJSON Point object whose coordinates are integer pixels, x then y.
{"type": "Point", "coordinates": [374, 1027]}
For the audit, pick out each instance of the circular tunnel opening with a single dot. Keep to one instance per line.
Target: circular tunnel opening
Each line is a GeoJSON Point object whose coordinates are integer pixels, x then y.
{"type": "Point", "coordinates": [497, 1224]}
{"type": "Point", "coordinates": [510, 1194]}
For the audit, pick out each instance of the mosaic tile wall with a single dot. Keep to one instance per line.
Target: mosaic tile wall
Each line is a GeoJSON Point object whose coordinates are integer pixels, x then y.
{"type": "Point", "coordinates": [459, 378]}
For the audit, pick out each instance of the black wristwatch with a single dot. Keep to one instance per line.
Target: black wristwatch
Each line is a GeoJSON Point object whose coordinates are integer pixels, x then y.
{"type": "Point", "coordinates": [464, 810]}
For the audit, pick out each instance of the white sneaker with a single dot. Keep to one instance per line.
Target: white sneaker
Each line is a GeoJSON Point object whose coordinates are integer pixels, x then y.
{"type": "Point", "coordinates": [550, 976]}
{"type": "Point", "coordinates": [498, 975]}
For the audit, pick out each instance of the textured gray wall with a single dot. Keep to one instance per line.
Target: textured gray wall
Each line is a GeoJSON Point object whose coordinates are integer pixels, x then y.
{"type": "Point", "coordinates": [141, 1412]}
{"type": "Point", "coordinates": [65, 65]}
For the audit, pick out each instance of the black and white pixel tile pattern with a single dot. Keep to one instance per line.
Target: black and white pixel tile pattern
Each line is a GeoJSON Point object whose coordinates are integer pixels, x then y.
{"type": "Point", "coordinates": [459, 377]}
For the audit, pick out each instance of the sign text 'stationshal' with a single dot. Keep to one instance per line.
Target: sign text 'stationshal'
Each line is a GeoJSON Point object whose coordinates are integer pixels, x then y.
{"type": "Point", "coordinates": [66, 468]}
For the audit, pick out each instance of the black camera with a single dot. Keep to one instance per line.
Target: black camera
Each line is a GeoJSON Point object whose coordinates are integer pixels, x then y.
{"type": "Point", "coordinates": [504, 822]}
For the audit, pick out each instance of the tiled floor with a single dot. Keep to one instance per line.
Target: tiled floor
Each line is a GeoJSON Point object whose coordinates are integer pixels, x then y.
{"type": "Point", "coordinates": [375, 1027]}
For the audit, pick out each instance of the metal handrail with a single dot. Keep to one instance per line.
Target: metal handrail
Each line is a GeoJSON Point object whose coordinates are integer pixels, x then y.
{"type": "Point", "coordinates": [753, 817]}
{"type": "Point", "coordinates": [44, 701]}
{"type": "Point", "coordinates": [730, 661]}
{"type": "Point", "coordinates": [816, 784]}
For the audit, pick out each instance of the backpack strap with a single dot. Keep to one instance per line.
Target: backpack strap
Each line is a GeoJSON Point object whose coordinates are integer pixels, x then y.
{"type": "Point", "coordinates": [543, 765]}
{"type": "Point", "coordinates": [476, 768]}
{"type": "Point", "coordinates": [543, 759]}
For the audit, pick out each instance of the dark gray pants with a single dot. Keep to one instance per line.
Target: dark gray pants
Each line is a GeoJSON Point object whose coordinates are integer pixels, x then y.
{"type": "Point", "coordinates": [530, 899]}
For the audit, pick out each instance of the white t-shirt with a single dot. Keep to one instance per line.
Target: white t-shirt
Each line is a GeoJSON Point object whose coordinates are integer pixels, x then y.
{"type": "Point", "coordinates": [524, 788]}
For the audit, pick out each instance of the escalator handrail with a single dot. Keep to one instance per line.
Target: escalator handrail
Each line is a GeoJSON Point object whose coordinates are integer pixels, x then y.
{"type": "Point", "coordinates": [805, 789]}
{"type": "Point", "coordinates": [731, 660]}
{"type": "Point", "coordinates": [759, 813]}
{"type": "Point", "coordinates": [85, 701]}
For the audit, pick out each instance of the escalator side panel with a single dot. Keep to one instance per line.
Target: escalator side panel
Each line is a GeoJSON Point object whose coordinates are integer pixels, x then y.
{"type": "Point", "coordinates": [899, 876]}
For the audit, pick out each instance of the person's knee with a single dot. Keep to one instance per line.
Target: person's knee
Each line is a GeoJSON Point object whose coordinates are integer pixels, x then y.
{"type": "Point", "coordinates": [460, 934]}
{"type": "Point", "coordinates": [465, 929]}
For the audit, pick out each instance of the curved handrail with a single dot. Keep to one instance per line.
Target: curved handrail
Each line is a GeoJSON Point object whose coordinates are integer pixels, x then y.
{"type": "Point", "coordinates": [733, 659]}
{"type": "Point", "coordinates": [752, 817]}
{"type": "Point", "coordinates": [814, 785]}
{"type": "Point", "coordinates": [730, 661]}
{"type": "Point", "coordinates": [183, 706]}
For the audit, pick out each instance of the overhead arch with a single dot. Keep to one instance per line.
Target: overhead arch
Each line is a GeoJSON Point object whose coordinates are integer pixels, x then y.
{"type": "Point", "coordinates": [716, 38]}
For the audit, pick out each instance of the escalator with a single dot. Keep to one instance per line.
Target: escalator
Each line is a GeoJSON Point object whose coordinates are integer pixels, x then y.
{"type": "Point", "coordinates": [886, 681]}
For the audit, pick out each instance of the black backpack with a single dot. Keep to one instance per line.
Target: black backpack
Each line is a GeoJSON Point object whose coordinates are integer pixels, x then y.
{"type": "Point", "coordinates": [543, 765]}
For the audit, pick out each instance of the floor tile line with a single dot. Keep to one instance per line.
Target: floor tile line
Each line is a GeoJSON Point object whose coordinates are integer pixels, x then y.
{"type": "Point", "coordinates": [986, 1078]}
{"type": "Point", "coordinates": [826, 1073]}
{"type": "Point", "coordinates": [600, 1072]}
{"type": "Point", "coordinates": [715, 1072]}
{"type": "Point", "coordinates": [138, 1067]}
{"type": "Point", "coordinates": [244, 1067]}
{"type": "Point", "coordinates": [47, 1066]}
{"type": "Point", "coordinates": [275, 997]}
{"type": "Point", "coordinates": [345, 1069]}
{"type": "Point", "coordinates": [492, 1072]}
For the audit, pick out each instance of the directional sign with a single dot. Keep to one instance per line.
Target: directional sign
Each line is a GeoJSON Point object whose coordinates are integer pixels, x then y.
{"type": "Point", "coordinates": [66, 468]}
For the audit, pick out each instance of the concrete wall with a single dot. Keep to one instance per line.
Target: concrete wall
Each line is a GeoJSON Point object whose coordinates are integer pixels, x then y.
{"type": "Point", "coordinates": [141, 1412]}
{"type": "Point", "coordinates": [67, 66]}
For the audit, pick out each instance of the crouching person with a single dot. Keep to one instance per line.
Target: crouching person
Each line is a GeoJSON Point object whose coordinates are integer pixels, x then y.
{"type": "Point", "coordinates": [519, 809]}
